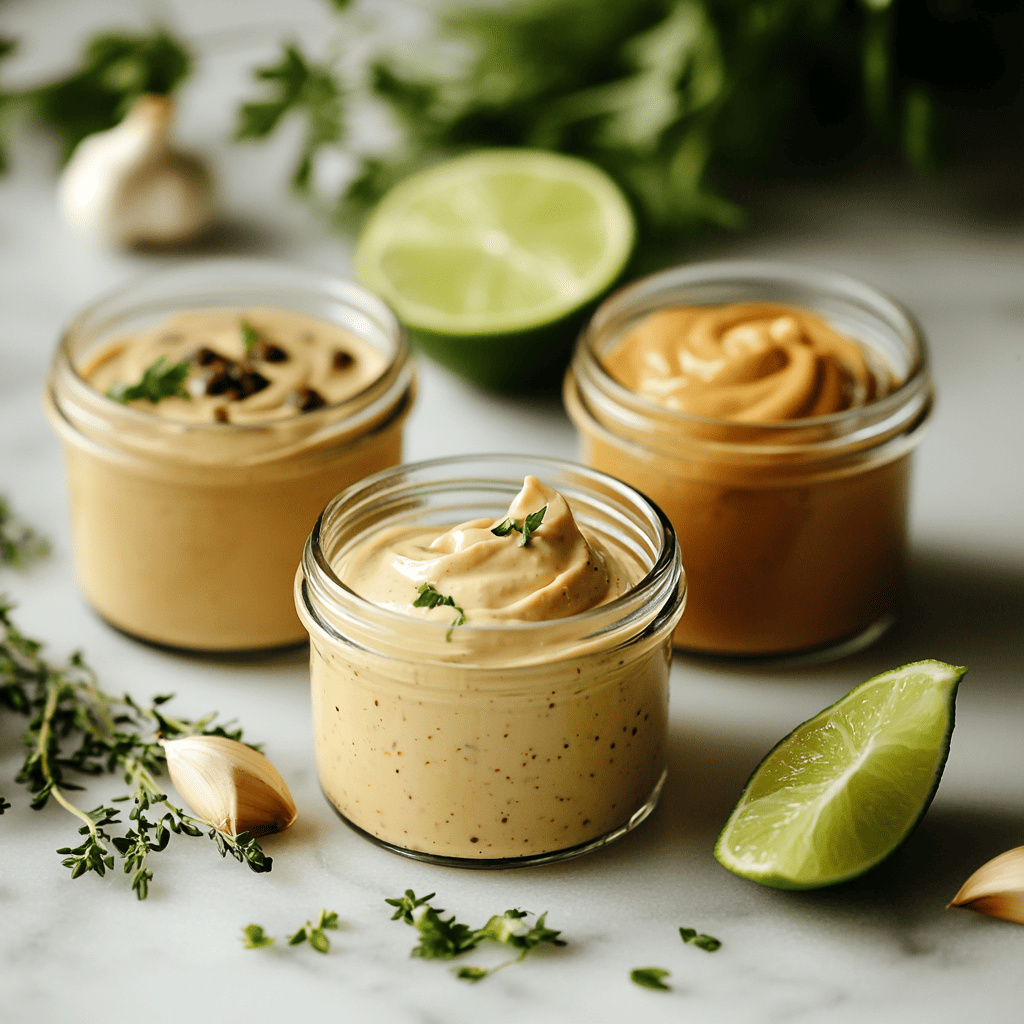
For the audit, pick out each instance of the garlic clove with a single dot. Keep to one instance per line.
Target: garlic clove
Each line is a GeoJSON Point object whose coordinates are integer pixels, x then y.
{"type": "Point", "coordinates": [129, 186]}
{"type": "Point", "coordinates": [229, 784]}
{"type": "Point", "coordinates": [996, 888]}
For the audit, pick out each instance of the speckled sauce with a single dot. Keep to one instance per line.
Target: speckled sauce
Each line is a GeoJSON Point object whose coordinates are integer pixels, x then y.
{"type": "Point", "coordinates": [464, 762]}
{"type": "Point", "coordinates": [491, 745]}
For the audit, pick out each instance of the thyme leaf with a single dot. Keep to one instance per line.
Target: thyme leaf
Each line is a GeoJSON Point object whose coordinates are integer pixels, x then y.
{"type": "Point", "coordinates": [159, 380]}
{"type": "Point", "coordinates": [77, 729]}
{"type": "Point", "coordinates": [694, 938]}
{"type": "Point", "coordinates": [445, 939]}
{"type": "Point", "coordinates": [250, 336]}
{"type": "Point", "coordinates": [255, 937]}
{"type": "Point", "coordinates": [429, 597]}
{"type": "Point", "coordinates": [19, 543]}
{"type": "Point", "coordinates": [650, 977]}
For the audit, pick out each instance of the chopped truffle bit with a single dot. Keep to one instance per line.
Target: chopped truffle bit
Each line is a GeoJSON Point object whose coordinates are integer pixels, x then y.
{"type": "Point", "coordinates": [306, 399]}
{"type": "Point", "coordinates": [220, 414]}
{"type": "Point", "coordinates": [268, 352]}
{"type": "Point", "coordinates": [206, 356]}
{"type": "Point", "coordinates": [342, 360]}
{"type": "Point", "coordinates": [249, 382]}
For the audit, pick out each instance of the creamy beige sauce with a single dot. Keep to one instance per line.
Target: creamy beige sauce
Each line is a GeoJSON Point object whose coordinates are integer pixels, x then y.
{"type": "Point", "coordinates": [492, 578]}
{"type": "Point", "coordinates": [749, 362]}
{"type": "Point", "coordinates": [193, 539]}
{"type": "Point", "coordinates": [493, 762]}
{"type": "Point", "coordinates": [312, 361]}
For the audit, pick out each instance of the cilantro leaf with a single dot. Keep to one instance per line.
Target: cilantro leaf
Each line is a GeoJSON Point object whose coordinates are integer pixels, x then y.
{"type": "Point", "coordinates": [650, 977]}
{"type": "Point", "coordinates": [255, 937]}
{"type": "Point", "coordinates": [429, 597]}
{"type": "Point", "coordinates": [694, 938]}
{"type": "Point", "coordinates": [159, 380]}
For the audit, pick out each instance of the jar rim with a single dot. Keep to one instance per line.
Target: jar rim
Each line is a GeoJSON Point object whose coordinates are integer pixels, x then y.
{"type": "Point", "coordinates": [649, 606]}
{"type": "Point", "coordinates": [636, 299]}
{"type": "Point", "coordinates": [348, 292]}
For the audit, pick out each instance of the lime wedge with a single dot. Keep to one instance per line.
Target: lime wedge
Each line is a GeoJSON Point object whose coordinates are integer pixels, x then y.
{"type": "Point", "coordinates": [844, 789]}
{"type": "Point", "coordinates": [493, 259]}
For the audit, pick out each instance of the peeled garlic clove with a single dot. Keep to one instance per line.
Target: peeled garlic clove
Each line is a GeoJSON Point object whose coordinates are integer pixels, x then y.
{"type": "Point", "coordinates": [229, 784]}
{"type": "Point", "coordinates": [996, 888]}
{"type": "Point", "coordinates": [129, 186]}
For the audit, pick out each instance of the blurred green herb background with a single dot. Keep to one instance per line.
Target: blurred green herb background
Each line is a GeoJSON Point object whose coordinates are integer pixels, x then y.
{"type": "Point", "coordinates": [682, 101]}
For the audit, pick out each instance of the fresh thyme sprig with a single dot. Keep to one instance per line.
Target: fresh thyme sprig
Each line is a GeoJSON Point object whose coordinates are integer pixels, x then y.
{"type": "Point", "coordinates": [159, 380]}
{"type": "Point", "coordinates": [442, 939]}
{"type": "Point", "coordinates": [75, 727]}
{"type": "Point", "coordinates": [524, 526]}
{"type": "Point", "coordinates": [429, 597]}
{"type": "Point", "coordinates": [314, 933]}
{"type": "Point", "coordinates": [19, 543]}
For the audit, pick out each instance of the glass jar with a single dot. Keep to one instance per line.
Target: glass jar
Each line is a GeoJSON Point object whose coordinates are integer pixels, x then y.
{"type": "Point", "coordinates": [508, 744]}
{"type": "Point", "coordinates": [188, 534]}
{"type": "Point", "coordinates": [793, 533]}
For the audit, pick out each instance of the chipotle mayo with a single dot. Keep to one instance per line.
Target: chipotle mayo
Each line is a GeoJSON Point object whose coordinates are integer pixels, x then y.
{"type": "Point", "coordinates": [485, 747]}
{"type": "Point", "coordinates": [792, 538]}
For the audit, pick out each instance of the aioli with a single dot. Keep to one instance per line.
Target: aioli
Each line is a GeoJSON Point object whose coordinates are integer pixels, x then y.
{"type": "Point", "coordinates": [497, 751]}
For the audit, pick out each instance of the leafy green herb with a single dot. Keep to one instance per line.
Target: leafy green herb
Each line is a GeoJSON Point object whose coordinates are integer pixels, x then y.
{"type": "Point", "coordinates": [75, 727]}
{"type": "Point", "coordinates": [524, 526]}
{"type": "Point", "coordinates": [442, 939]}
{"type": "Point", "coordinates": [693, 938]}
{"type": "Point", "coordinates": [314, 933]}
{"type": "Point", "coordinates": [20, 545]}
{"type": "Point", "coordinates": [650, 977]}
{"type": "Point", "coordinates": [255, 937]}
{"type": "Point", "coordinates": [160, 380]}
{"type": "Point", "coordinates": [250, 336]}
{"type": "Point", "coordinates": [430, 598]}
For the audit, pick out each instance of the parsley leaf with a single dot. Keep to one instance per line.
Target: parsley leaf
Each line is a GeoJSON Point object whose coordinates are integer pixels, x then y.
{"type": "Point", "coordinates": [160, 380]}
{"type": "Point", "coordinates": [429, 597]}
{"type": "Point", "coordinates": [525, 527]}
{"type": "Point", "coordinates": [693, 938]}
{"type": "Point", "coordinates": [650, 977]}
{"type": "Point", "coordinates": [255, 938]}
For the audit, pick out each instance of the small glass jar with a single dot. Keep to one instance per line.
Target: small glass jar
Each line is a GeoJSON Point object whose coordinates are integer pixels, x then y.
{"type": "Point", "coordinates": [793, 533]}
{"type": "Point", "coordinates": [508, 744]}
{"type": "Point", "coordinates": [188, 534]}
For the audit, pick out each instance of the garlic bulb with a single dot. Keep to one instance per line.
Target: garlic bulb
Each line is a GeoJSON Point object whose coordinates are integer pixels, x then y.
{"type": "Point", "coordinates": [129, 186]}
{"type": "Point", "coordinates": [996, 888]}
{"type": "Point", "coordinates": [229, 784]}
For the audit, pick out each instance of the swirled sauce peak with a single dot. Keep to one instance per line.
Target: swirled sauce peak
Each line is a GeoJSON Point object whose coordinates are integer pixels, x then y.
{"type": "Point", "coordinates": [244, 366]}
{"type": "Point", "coordinates": [491, 576]}
{"type": "Point", "coordinates": [752, 362]}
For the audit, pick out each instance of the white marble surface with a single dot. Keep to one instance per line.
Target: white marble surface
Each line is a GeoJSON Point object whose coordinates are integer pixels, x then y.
{"type": "Point", "coordinates": [882, 949]}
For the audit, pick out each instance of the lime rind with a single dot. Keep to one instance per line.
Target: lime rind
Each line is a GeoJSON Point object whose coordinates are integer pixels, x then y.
{"type": "Point", "coordinates": [844, 789]}
{"type": "Point", "coordinates": [451, 262]}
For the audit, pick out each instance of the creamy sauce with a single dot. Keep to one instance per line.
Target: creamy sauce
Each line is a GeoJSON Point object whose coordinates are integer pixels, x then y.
{"type": "Point", "coordinates": [504, 761]}
{"type": "Point", "coordinates": [780, 555]}
{"type": "Point", "coordinates": [748, 362]}
{"type": "Point", "coordinates": [192, 539]}
{"type": "Point", "coordinates": [492, 578]}
{"type": "Point", "coordinates": [319, 357]}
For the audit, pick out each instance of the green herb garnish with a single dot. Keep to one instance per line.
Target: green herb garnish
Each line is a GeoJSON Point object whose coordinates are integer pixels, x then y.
{"type": "Point", "coordinates": [19, 543]}
{"type": "Point", "coordinates": [524, 526]}
{"type": "Point", "coordinates": [430, 598]}
{"type": "Point", "coordinates": [442, 939]}
{"type": "Point", "coordinates": [650, 977]}
{"type": "Point", "coordinates": [75, 727]}
{"type": "Point", "coordinates": [314, 933]}
{"type": "Point", "coordinates": [694, 938]}
{"type": "Point", "coordinates": [250, 337]}
{"type": "Point", "coordinates": [160, 380]}
{"type": "Point", "coordinates": [255, 937]}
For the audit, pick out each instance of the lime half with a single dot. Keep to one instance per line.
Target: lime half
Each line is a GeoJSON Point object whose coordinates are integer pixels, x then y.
{"type": "Point", "coordinates": [844, 789]}
{"type": "Point", "coordinates": [493, 259]}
